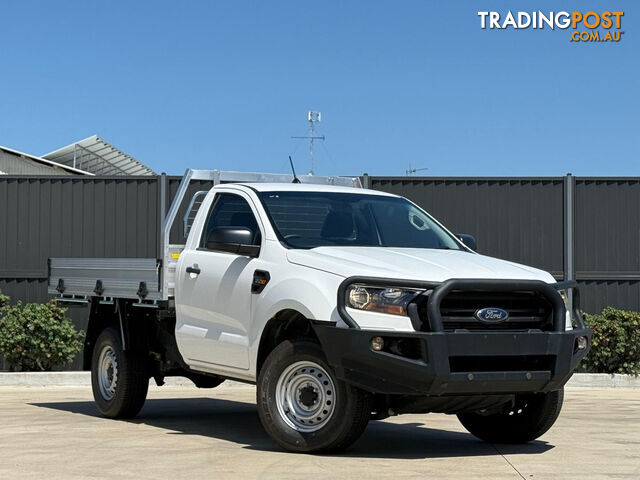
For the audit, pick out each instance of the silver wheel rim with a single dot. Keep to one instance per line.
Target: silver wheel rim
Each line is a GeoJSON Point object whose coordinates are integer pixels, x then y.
{"type": "Point", "coordinates": [305, 396]}
{"type": "Point", "coordinates": [107, 373]}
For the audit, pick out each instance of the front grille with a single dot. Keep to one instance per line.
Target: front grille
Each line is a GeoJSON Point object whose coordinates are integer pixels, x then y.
{"type": "Point", "coordinates": [527, 310]}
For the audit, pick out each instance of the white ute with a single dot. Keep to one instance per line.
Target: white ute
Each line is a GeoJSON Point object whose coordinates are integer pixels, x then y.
{"type": "Point", "coordinates": [341, 304]}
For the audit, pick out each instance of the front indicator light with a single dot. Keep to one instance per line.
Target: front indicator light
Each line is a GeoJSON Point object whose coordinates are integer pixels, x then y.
{"type": "Point", "coordinates": [582, 342]}
{"type": "Point", "coordinates": [377, 343]}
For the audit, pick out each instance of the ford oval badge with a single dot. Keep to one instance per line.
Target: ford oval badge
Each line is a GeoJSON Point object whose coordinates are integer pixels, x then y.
{"type": "Point", "coordinates": [492, 315]}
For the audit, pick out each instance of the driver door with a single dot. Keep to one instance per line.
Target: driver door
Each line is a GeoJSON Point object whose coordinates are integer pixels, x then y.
{"type": "Point", "coordinates": [213, 289]}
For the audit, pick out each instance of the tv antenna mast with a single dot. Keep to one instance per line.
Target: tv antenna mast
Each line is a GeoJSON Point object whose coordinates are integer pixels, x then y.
{"type": "Point", "coordinates": [312, 118]}
{"type": "Point", "coordinates": [410, 171]}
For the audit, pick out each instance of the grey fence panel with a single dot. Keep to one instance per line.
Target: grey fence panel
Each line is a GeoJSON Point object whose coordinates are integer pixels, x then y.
{"type": "Point", "coordinates": [516, 219]}
{"type": "Point", "coordinates": [607, 249]}
{"type": "Point", "coordinates": [607, 224]}
{"type": "Point", "coordinates": [598, 294]}
{"type": "Point", "coordinates": [74, 217]}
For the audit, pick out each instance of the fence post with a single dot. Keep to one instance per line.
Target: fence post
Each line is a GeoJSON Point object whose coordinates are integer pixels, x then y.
{"type": "Point", "coordinates": [569, 238]}
{"type": "Point", "coordinates": [162, 212]}
{"type": "Point", "coordinates": [365, 180]}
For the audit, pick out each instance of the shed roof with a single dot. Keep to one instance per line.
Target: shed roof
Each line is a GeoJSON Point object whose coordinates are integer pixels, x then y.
{"type": "Point", "coordinates": [44, 161]}
{"type": "Point", "coordinates": [99, 157]}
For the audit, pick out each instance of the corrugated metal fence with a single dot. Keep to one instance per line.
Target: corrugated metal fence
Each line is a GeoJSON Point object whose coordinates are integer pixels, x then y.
{"type": "Point", "coordinates": [583, 228]}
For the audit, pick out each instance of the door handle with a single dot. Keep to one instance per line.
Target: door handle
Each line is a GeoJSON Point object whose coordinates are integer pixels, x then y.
{"type": "Point", "coordinates": [193, 269]}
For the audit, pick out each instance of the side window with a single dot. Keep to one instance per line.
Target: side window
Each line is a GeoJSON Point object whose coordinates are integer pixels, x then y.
{"type": "Point", "coordinates": [230, 210]}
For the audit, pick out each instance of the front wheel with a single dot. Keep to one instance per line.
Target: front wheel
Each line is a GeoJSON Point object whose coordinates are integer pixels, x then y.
{"type": "Point", "coordinates": [303, 406]}
{"type": "Point", "coordinates": [528, 418]}
{"type": "Point", "coordinates": [119, 379]}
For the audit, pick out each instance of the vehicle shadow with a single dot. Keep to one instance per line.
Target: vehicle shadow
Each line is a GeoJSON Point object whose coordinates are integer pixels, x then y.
{"type": "Point", "coordinates": [238, 422]}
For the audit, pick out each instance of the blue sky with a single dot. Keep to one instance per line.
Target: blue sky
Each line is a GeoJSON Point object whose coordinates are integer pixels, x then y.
{"type": "Point", "coordinates": [225, 84]}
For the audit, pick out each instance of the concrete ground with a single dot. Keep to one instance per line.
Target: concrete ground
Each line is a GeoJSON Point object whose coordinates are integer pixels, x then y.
{"type": "Point", "coordinates": [55, 432]}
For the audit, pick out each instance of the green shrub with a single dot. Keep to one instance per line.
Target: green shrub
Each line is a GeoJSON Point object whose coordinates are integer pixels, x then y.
{"type": "Point", "coordinates": [4, 303]}
{"type": "Point", "coordinates": [616, 342]}
{"type": "Point", "coordinates": [37, 336]}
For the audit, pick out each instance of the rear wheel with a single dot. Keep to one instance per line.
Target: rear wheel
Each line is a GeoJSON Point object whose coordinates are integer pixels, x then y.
{"type": "Point", "coordinates": [119, 379]}
{"type": "Point", "coordinates": [528, 418]}
{"type": "Point", "coordinates": [303, 406]}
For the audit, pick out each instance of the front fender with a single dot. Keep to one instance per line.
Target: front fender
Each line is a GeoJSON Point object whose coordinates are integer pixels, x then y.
{"type": "Point", "coordinates": [313, 298]}
{"type": "Point", "coordinates": [310, 292]}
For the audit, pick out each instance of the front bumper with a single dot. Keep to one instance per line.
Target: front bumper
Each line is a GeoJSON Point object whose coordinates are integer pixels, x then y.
{"type": "Point", "coordinates": [349, 352]}
{"type": "Point", "coordinates": [459, 362]}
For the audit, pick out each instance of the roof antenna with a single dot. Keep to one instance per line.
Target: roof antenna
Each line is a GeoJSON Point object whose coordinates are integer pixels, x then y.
{"type": "Point", "coordinates": [295, 177]}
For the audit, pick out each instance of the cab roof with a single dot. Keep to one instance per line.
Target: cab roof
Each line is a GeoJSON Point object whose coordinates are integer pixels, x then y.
{"type": "Point", "coordinates": [305, 187]}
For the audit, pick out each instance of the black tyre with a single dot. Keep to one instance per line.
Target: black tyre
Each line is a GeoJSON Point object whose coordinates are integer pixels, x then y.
{"type": "Point", "coordinates": [119, 379]}
{"type": "Point", "coordinates": [529, 418]}
{"type": "Point", "coordinates": [303, 406]}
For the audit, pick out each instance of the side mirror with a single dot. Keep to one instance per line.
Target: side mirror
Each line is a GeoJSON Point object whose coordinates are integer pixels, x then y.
{"type": "Point", "coordinates": [468, 240]}
{"type": "Point", "coordinates": [233, 240]}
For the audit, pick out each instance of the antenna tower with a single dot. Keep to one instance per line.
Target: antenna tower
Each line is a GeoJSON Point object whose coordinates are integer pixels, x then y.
{"type": "Point", "coordinates": [312, 118]}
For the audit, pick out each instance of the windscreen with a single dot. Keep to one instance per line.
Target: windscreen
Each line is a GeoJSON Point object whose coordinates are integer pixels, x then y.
{"type": "Point", "coordinates": [318, 219]}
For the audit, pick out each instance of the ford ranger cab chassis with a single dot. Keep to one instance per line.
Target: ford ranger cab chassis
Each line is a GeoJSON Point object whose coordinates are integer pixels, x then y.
{"type": "Point", "coordinates": [342, 304]}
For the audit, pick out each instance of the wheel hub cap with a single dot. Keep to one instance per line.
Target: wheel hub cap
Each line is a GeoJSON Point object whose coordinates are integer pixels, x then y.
{"type": "Point", "coordinates": [107, 373]}
{"type": "Point", "coordinates": [305, 396]}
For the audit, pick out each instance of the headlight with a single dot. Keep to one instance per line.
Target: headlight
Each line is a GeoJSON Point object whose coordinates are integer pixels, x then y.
{"type": "Point", "coordinates": [390, 300]}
